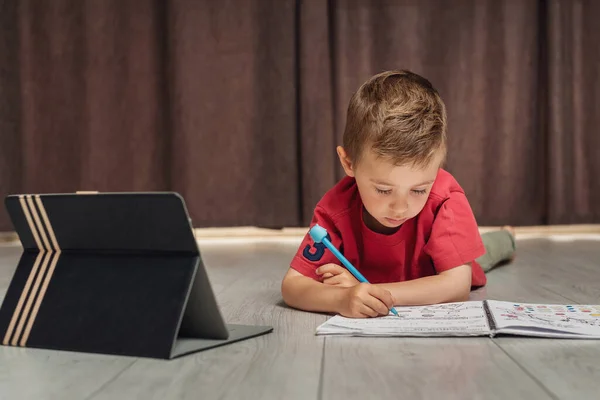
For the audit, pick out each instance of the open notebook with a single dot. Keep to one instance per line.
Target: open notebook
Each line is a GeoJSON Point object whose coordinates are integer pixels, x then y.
{"type": "Point", "coordinates": [476, 318]}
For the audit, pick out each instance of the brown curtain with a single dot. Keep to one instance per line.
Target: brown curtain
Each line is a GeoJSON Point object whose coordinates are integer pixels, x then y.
{"type": "Point", "coordinates": [10, 138]}
{"type": "Point", "coordinates": [238, 105]}
{"type": "Point", "coordinates": [573, 111]}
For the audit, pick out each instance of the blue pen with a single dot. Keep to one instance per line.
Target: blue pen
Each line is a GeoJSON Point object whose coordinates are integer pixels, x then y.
{"type": "Point", "coordinates": [319, 235]}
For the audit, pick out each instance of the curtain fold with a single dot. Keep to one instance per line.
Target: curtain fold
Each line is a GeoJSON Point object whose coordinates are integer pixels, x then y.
{"type": "Point", "coordinates": [573, 111]}
{"type": "Point", "coordinates": [239, 105]}
{"type": "Point", "coordinates": [317, 137]}
{"type": "Point", "coordinates": [233, 111]}
{"type": "Point", "coordinates": [90, 102]}
{"type": "Point", "coordinates": [10, 113]}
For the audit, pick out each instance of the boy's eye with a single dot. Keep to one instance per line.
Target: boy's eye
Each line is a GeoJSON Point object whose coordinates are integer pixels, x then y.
{"type": "Point", "coordinates": [380, 191]}
{"type": "Point", "coordinates": [421, 191]}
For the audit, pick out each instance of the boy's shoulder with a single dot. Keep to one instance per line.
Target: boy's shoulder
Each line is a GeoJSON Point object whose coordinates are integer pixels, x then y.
{"type": "Point", "coordinates": [445, 186]}
{"type": "Point", "coordinates": [340, 199]}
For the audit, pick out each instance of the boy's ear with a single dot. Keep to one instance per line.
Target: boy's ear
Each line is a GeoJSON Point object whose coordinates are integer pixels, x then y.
{"type": "Point", "coordinates": [345, 161]}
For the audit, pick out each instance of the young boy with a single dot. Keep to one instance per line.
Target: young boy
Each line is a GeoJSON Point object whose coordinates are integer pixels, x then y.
{"type": "Point", "coordinates": [398, 217]}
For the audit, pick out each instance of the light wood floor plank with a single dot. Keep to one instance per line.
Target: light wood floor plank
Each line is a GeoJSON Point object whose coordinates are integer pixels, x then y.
{"type": "Point", "coordinates": [423, 368]}
{"type": "Point", "coordinates": [567, 368]}
{"type": "Point", "coordinates": [43, 374]}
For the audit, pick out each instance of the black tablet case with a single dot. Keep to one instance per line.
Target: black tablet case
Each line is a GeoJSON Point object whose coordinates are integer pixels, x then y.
{"type": "Point", "coordinates": [111, 273]}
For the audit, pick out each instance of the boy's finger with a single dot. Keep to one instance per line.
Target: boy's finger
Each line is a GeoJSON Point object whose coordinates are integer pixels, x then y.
{"type": "Point", "coordinates": [327, 275]}
{"type": "Point", "coordinates": [329, 268]}
{"type": "Point", "coordinates": [376, 305]}
{"type": "Point", "coordinates": [383, 295]}
{"type": "Point", "coordinates": [392, 301]}
{"type": "Point", "coordinates": [388, 299]}
{"type": "Point", "coordinates": [368, 311]}
{"type": "Point", "coordinates": [334, 280]}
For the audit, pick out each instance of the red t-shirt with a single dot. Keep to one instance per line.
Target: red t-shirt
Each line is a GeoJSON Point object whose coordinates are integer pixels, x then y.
{"type": "Point", "coordinates": [442, 236]}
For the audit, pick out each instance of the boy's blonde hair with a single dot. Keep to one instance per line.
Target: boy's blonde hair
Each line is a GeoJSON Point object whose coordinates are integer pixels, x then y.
{"type": "Point", "coordinates": [400, 116]}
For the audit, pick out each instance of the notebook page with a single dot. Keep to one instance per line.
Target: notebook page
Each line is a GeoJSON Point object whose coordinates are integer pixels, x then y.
{"type": "Point", "coordinates": [546, 319]}
{"type": "Point", "coordinates": [451, 319]}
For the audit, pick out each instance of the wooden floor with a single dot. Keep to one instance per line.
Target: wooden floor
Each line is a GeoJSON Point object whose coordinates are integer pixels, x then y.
{"type": "Point", "coordinates": [292, 363]}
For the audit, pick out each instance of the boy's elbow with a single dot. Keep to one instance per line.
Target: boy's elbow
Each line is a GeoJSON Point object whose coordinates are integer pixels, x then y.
{"type": "Point", "coordinates": [285, 291]}
{"type": "Point", "coordinates": [464, 295]}
{"type": "Point", "coordinates": [464, 291]}
{"type": "Point", "coordinates": [289, 287]}
{"type": "Point", "coordinates": [459, 279]}
{"type": "Point", "coordinates": [458, 295]}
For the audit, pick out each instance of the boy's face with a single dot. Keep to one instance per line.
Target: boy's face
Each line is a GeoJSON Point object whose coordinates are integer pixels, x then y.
{"type": "Point", "coordinates": [391, 194]}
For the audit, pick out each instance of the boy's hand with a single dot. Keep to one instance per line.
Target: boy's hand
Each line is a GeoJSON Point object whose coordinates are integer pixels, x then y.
{"type": "Point", "coordinates": [336, 275]}
{"type": "Point", "coordinates": [365, 300]}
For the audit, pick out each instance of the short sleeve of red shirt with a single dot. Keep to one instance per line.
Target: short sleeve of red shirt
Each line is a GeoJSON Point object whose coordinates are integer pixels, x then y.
{"type": "Point", "coordinates": [455, 238]}
{"type": "Point", "coordinates": [311, 255]}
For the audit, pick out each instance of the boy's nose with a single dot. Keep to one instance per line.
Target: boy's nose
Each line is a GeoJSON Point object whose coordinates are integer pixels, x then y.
{"type": "Point", "coordinates": [399, 207]}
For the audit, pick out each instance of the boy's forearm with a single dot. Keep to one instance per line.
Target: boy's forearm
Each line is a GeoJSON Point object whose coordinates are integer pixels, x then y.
{"type": "Point", "coordinates": [307, 294]}
{"type": "Point", "coordinates": [428, 290]}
